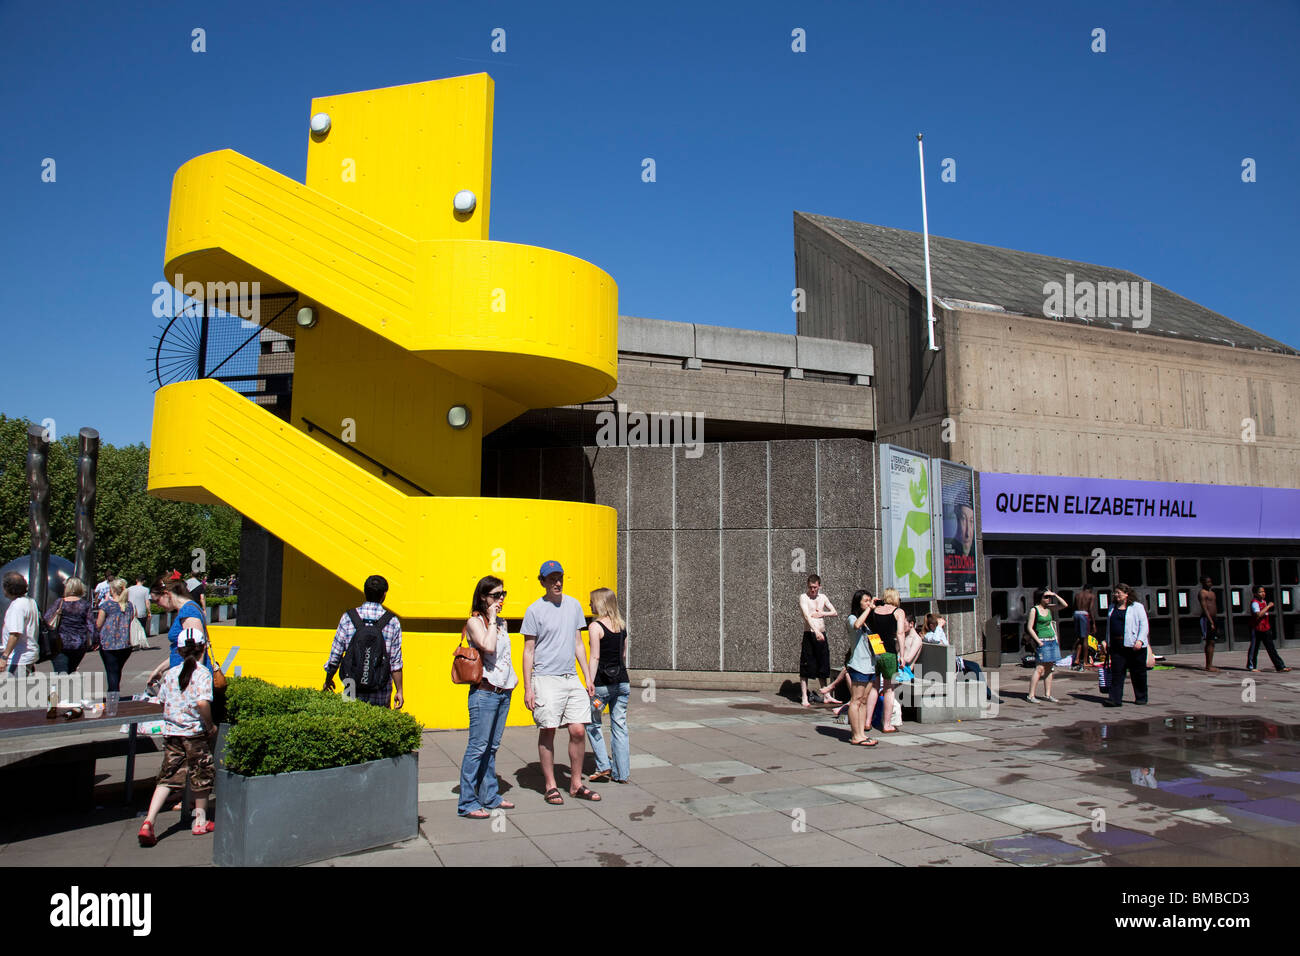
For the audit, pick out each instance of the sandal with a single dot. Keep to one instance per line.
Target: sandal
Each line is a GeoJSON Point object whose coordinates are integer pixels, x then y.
{"type": "Point", "coordinates": [889, 730]}
{"type": "Point", "coordinates": [600, 776]}
{"type": "Point", "coordinates": [479, 814]}
{"type": "Point", "coordinates": [553, 797]}
{"type": "Point", "coordinates": [147, 837]}
{"type": "Point", "coordinates": [504, 805]}
{"type": "Point", "coordinates": [864, 742]}
{"type": "Point", "coordinates": [624, 780]}
{"type": "Point", "coordinates": [199, 829]}
{"type": "Point", "coordinates": [585, 793]}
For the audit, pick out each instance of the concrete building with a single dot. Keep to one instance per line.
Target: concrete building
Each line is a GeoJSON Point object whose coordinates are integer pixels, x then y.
{"type": "Point", "coordinates": [1045, 369]}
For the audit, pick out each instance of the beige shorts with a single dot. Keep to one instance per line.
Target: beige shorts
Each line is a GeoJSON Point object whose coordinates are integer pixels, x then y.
{"type": "Point", "coordinates": [560, 700]}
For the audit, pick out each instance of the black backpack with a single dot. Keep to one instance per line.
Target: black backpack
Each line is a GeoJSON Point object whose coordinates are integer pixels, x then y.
{"type": "Point", "coordinates": [365, 663]}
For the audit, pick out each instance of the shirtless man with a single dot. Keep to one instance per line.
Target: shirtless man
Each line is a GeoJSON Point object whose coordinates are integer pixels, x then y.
{"type": "Point", "coordinates": [1209, 622]}
{"type": "Point", "coordinates": [815, 656]}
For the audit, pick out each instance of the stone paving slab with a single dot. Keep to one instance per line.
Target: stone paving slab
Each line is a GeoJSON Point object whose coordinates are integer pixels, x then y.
{"type": "Point", "coordinates": [1195, 779]}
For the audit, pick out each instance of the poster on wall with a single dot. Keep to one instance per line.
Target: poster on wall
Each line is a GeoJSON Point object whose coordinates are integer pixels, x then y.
{"type": "Point", "coordinates": [905, 506]}
{"type": "Point", "coordinates": [954, 516]}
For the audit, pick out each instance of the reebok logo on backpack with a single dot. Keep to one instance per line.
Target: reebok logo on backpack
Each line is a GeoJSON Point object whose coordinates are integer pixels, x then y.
{"type": "Point", "coordinates": [365, 663]}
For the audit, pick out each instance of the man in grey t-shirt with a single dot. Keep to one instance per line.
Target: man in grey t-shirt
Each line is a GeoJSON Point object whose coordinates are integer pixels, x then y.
{"type": "Point", "coordinates": [553, 645]}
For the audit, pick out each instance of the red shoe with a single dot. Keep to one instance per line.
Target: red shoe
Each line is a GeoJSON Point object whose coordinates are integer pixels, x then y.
{"type": "Point", "coordinates": [199, 829]}
{"type": "Point", "coordinates": [146, 834]}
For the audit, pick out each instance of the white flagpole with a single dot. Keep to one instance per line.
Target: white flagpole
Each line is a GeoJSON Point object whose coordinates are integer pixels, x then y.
{"type": "Point", "coordinates": [925, 230]}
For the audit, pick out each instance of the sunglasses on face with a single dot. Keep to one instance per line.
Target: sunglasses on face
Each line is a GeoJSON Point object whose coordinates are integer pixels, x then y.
{"type": "Point", "coordinates": [498, 595]}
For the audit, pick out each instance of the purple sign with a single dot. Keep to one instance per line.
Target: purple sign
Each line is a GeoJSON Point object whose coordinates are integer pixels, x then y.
{"type": "Point", "coordinates": [1087, 507]}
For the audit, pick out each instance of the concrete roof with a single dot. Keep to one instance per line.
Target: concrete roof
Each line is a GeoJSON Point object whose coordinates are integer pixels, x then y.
{"type": "Point", "coordinates": [975, 275]}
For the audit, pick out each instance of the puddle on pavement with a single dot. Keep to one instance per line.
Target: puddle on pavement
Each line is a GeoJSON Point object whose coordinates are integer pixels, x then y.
{"type": "Point", "coordinates": [1239, 768]}
{"type": "Point", "coordinates": [637, 816]}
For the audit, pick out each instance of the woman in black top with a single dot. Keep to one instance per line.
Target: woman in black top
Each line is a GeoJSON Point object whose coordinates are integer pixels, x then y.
{"type": "Point", "coordinates": [607, 665]}
{"type": "Point", "coordinates": [889, 622]}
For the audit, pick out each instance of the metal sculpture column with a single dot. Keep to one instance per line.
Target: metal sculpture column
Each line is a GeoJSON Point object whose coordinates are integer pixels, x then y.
{"type": "Point", "coordinates": [38, 514]}
{"type": "Point", "coordinates": [87, 467]}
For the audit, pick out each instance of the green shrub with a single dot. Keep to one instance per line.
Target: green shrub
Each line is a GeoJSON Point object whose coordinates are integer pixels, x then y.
{"type": "Point", "coordinates": [155, 608]}
{"type": "Point", "coordinates": [283, 729]}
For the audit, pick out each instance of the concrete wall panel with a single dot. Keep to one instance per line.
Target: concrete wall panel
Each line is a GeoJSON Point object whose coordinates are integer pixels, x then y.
{"type": "Point", "coordinates": [697, 601]}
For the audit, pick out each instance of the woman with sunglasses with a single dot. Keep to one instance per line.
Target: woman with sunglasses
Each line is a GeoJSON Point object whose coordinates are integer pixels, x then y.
{"type": "Point", "coordinates": [489, 703]}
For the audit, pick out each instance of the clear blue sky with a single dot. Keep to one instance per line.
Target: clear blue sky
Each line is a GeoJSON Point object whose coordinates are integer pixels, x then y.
{"type": "Point", "coordinates": [1131, 158]}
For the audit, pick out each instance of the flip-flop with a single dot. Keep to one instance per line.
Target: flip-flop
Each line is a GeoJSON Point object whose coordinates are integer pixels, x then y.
{"type": "Point", "coordinates": [868, 742]}
{"type": "Point", "coordinates": [585, 793]}
{"type": "Point", "coordinates": [600, 776]}
{"type": "Point", "coordinates": [889, 730]}
{"type": "Point", "coordinates": [504, 805]}
{"type": "Point", "coordinates": [477, 815]}
{"type": "Point", "coordinates": [553, 797]}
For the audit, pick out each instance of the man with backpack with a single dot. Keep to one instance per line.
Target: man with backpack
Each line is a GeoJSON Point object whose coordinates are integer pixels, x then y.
{"type": "Point", "coordinates": [367, 650]}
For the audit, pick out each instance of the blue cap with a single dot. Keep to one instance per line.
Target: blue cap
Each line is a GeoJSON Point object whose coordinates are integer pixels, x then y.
{"type": "Point", "coordinates": [550, 567]}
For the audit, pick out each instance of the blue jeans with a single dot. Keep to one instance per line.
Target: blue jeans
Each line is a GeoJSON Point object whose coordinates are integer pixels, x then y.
{"type": "Point", "coordinates": [478, 770]}
{"type": "Point", "coordinates": [615, 695]}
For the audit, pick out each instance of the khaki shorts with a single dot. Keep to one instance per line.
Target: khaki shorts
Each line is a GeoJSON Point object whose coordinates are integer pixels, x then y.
{"type": "Point", "coordinates": [560, 700]}
{"type": "Point", "coordinates": [187, 757]}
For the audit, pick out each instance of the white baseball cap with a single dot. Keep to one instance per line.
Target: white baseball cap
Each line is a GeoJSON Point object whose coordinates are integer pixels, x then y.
{"type": "Point", "coordinates": [190, 635]}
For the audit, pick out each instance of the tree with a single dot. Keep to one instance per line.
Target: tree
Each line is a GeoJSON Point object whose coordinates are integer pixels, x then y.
{"type": "Point", "coordinates": [135, 532]}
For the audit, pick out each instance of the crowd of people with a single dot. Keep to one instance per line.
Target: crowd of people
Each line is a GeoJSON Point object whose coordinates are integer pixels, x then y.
{"type": "Point", "coordinates": [565, 682]}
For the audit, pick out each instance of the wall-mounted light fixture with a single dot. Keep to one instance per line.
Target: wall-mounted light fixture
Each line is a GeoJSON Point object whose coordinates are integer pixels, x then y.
{"type": "Point", "coordinates": [320, 124]}
{"type": "Point", "coordinates": [307, 318]}
{"type": "Point", "coordinates": [465, 202]}
{"type": "Point", "coordinates": [458, 416]}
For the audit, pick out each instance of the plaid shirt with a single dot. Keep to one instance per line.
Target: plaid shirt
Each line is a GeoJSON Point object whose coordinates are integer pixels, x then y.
{"type": "Point", "coordinates": [370, 611]}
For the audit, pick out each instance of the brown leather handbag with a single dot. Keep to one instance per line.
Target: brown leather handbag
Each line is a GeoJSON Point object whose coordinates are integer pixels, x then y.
{"type": "Point", "coordinates": [466, 662]}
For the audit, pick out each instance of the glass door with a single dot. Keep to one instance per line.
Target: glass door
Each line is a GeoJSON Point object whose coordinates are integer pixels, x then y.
{"type": "Point", "coordinates": [1188, 573]}
{"type": "Point", "coordinates": [1288, 600]}
{"type": "Point", "coordinates": [1012, 582]}
{"type": "Point", "coordinates": [1240, 582]}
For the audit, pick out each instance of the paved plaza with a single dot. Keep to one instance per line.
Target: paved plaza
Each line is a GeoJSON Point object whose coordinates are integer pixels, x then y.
{"type": "Point", "coordinates": [1200, 776]}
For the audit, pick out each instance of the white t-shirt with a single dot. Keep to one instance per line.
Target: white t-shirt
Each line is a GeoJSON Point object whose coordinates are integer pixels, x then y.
{"type": "Point", "coordinates": [22, 618]}
{"type": "Point", "coordinates": [555, 627]}
{"type": "Point", "coordinates": [937, 636]}
{"type": "Point", "coordinates": [138, 595]}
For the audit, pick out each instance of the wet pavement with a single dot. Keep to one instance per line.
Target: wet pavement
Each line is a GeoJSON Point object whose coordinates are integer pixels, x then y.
{"type": "Point", "coordinates": [1208, 774]}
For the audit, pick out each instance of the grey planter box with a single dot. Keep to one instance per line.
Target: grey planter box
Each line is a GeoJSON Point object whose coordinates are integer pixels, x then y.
{"type": "Point", "coordinates": [221, 612]}
{"type": "Point", "coordinates": [286, 819]}
{"type": "Point", "coordinates": [155, 620]}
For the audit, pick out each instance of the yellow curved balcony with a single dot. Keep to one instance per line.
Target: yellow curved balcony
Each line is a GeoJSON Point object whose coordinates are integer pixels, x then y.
{"type": "Point", "coordinates": [536, 326]}
{"type": "Point", "coordinates": [210, 444]}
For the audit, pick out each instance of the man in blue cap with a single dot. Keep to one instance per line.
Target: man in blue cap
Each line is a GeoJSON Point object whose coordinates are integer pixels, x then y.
{"type": "Point", "coordinates": [553, 691]}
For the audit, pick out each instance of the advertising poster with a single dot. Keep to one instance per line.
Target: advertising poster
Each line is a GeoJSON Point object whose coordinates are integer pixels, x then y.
{"type": "Point", "coordinates": [955, 522]}
{"type": "Point", "coordinates": [905, 505]}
